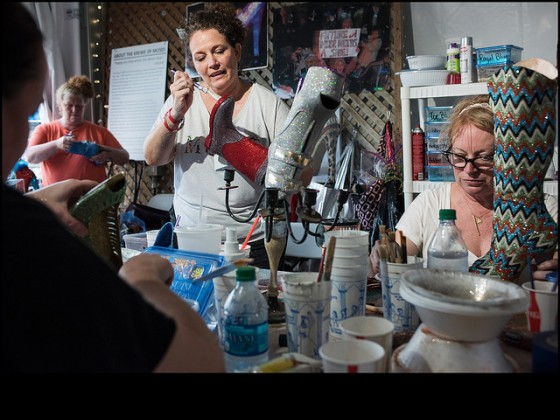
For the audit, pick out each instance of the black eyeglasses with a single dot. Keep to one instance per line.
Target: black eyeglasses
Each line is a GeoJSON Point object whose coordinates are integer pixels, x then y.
{"type": "Point", "coordinates": [480, 162]}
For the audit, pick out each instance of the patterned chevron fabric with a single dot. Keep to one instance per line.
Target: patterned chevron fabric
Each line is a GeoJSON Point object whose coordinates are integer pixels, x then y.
{"type": "Point", "coordinates": [523, 102]}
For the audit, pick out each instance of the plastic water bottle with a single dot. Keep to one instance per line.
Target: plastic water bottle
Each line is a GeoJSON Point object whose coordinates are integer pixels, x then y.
{"type": "Point", "coordinates": [447, 250]}
{"type": "Point", "coordinates": [245, 324]}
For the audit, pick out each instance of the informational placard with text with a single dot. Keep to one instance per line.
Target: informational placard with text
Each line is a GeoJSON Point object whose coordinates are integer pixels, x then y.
{"type": "Point", "coordinates": [136, 93]}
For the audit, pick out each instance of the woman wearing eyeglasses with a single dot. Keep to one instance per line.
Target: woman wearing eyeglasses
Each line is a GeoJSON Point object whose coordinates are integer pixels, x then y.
{"type": "Point", "coordinates": [71, 147]}
{"type": "Point", "coordinates": [471, 140]}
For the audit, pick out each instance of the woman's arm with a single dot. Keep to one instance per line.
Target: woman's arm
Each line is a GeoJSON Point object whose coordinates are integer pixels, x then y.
{"type": "Point", "coordinates": [43, 151]}
{"type": "Point", "coordinates": [160, 143]}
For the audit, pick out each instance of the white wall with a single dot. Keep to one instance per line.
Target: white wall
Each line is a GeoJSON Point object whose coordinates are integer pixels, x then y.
{"type": "Point", "coordinates": [532, 26]}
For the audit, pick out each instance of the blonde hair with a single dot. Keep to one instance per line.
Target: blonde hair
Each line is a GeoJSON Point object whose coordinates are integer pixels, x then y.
{"type": "Point", "coordinates": [75, 85]}
{"type": "Point", "coordinates": [473, 110]}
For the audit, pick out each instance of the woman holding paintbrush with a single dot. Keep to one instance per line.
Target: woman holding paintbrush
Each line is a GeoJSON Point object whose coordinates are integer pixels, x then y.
{"type": "Point", "coordinates": [471, 139]}
{"type": "Point", "coordinates": [221, 122]}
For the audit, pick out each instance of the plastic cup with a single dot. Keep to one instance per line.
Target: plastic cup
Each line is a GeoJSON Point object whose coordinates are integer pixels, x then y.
{"type": "Point", "coordinates": [395, 309]}
{"type": "Point", "coordinates": [371, 328]}
{"type": "Point", "coordinates": [151, 236]}
{"type": "Point", "coordinates": [205, 238]}
{"type": "Point", "coordinates": [542, 314]}
{"type": "Point", "coordinates": [352, 356]}
{"type": "Point", "coordinates": [307, 305]}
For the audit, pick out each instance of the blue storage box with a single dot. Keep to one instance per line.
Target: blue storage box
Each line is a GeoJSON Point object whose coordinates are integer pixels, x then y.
{"type": "Point", "coordinates": [434, 129]}
{"type": "Point", "coordinates": [498, 55]}
{"type": "Point", "coordinates": [441, 173]}
{"type": "Point", "coordinates": [189, 266]}
{"type": "Point", "coordinates": [438, 113]}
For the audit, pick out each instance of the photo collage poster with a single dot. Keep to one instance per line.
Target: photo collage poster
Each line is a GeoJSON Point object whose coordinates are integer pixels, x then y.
{"type": "Point", "coordinates": [353, 39]}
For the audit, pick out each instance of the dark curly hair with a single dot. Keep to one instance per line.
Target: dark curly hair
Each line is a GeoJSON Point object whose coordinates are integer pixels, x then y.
{"type": "Point", "coordinates": [75, 85]}
{"type": "Point", "coordinates": [219, 16]}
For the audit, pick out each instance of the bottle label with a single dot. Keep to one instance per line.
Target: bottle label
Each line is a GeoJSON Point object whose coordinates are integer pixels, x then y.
{"type": "Point", "coordinates": [246, 340]}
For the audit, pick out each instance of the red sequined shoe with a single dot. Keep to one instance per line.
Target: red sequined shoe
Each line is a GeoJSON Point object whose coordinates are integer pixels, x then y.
{"type": "Point", "coordinates": [246, 155]}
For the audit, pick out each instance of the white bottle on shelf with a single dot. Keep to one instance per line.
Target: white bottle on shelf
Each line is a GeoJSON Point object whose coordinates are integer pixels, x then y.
{"type": "Point", "coordinates": [466, 60]}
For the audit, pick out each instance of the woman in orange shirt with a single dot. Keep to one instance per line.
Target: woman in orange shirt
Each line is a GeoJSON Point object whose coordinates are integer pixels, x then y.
{"type": "Point", "coordinates": [71, 147]}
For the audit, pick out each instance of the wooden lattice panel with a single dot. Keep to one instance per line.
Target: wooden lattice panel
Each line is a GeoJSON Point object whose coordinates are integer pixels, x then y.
{"type": "Point", "coordinates": [129, 24]}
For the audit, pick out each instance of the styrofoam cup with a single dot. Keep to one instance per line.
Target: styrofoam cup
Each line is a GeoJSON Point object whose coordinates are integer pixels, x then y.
{"type": "Point", "coordinates": [205, 238]}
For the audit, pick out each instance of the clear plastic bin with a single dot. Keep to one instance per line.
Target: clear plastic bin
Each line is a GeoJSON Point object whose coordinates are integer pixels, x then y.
{"type": "Point", "coordinates": [436, 144]}
{"type": "Point", "coordinates": [437, 173]}
{"type": "Point", "coordinates": [136, 241]}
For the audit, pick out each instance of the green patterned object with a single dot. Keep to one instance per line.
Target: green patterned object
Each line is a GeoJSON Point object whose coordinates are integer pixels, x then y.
{"type": "Point", "coordinates": [98, 209]}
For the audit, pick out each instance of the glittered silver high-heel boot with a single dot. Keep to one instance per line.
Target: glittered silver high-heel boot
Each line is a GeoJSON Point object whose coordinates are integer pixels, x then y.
{"type": "Point", "coordinates": [246, 155]}
{"type": "Point", "coordinates": [291, 151]}
{"type": "Point", "coordinates": [523, 99]}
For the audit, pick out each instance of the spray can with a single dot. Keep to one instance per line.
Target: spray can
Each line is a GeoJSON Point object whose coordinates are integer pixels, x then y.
{"type": "Point", "coordinates": [466, 60]}
{"type": "Point", "coordinates": [418, 154]}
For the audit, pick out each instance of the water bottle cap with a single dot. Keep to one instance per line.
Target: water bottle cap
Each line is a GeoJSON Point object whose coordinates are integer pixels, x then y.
{"type": "Point", "coordinates": [246, 273]}
{"type": "Point", "coordinates": [447, 214]}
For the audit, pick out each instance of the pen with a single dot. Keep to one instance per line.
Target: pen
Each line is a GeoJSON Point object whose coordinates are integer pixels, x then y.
{"type": "Point", "coordinates": [196, 85]}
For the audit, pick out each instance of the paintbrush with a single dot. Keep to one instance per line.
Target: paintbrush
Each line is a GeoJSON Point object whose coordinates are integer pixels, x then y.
{"type": "Point", "coordinates": [329, 259]}
{"type": "Point", "coordinates": [202, 88]}
{"type": "Point", "coordinates": [225, 269]}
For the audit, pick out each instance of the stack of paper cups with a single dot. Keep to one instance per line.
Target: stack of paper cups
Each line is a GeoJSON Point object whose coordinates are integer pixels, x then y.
{"type": "Point", "coordinates": [348, 277]}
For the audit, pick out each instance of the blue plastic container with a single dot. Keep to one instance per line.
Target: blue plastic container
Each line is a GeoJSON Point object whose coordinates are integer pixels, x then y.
{"type": "Point", "coordinates": [189, 266]}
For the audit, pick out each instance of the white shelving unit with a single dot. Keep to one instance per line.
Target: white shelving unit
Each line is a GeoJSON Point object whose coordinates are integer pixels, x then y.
{"type": "Point", "coordinates": [421, 94]}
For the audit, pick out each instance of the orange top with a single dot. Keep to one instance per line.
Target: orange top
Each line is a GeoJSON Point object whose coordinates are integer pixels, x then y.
{"type": "Point", "coordinates": [63, 165]}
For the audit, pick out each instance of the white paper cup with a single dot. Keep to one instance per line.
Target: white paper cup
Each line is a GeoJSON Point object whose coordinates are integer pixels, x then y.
{"type": "Point", "coordinates": [348, 299]}
{"type": "Point", "coordinates": [395, 309]}
{"type": "Point", "coordinates": [200, 238]}
{"type": "Point", "coordinates": [307, 305]}
{"type": "Point", "coordinates": [371, 328]}
{"type": "Point", "coordinates": [542, 314]}
{"type": "Point", "coordinates": [352, 356]}
{"type": "Point", "coordinates": [348, 237]}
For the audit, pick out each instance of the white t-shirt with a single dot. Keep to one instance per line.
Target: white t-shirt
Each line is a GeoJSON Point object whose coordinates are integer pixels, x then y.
{"type": "Point", "coordinates": [421, 218]}
{"type": "Point", "coordinates": [198, 175]}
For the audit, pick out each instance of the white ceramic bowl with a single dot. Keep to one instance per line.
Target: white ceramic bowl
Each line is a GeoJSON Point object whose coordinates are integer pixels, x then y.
{"type": "Point", "coordinates": [410, 78]}
{"type": "Point", "coordinates": [426, 62]}
{"type": "Point", "coordinates": [462, 306]}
